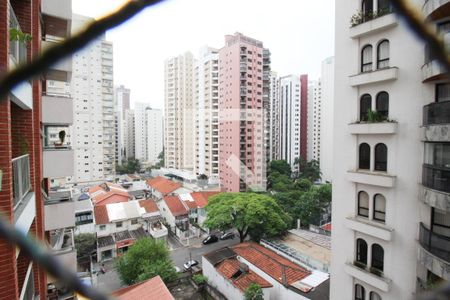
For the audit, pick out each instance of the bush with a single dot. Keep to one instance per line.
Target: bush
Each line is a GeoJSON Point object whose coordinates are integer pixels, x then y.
{"type": "Point", "coordinates": [199, 279]}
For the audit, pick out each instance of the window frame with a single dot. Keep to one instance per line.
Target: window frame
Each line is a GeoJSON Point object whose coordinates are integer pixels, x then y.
{"type": "Point", "coordinates": [362, 164]}
{"type": "Point", "coordinates": [361, 207]}
{"type": "Point", "coordinates": [362, 257]}
{"type": "Point", "coordinates": [383, 161]}
{"type": "Point", "coordinates": [378, 99]}
{"type": "Point", "coordinates": [383, 60]}
{"type": "Point", "coordinates": [365, 64]}
{"type": "Point", "coordinates": [364, 115]}
{"type": "Point", "coordinates": [375, 211]}
{"type": "Point", "coordinates": [362, 290]}
{"type": "Point", "coordinates": [374, 296]}
{"type": "Point", "coordinates": [377, 262]}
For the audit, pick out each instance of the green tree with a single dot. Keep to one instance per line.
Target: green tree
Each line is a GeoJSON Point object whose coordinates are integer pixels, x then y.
{"type": "Point", "coordinates": [254, 292]}
{"type": "Point", "coordinates": [280, 166]}
{"type": "Point", "coordinates": [310, 170]}
{"type": "Point", "coordinates": [249, 213]}
{"type": "Point", "coordinates": [145, 259]}
{"type": "Point", "coordinates": [85, 243]}
{"type": "Point", "coordinates": [302, 185]}
{"type": "Point", "coordinates": [131, 166]}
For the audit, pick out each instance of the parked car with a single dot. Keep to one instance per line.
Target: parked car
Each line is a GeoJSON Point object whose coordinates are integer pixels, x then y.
{"type": "Point", "coordinates": [189, 264]}
{"type": "Point", "coordinates": [227, 235]}
{"type": "Point", "coordinates": [210, 239]}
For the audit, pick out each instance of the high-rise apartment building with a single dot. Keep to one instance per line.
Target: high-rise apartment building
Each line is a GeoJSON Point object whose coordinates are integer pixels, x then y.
{"type": "Point", "coordinates": [207, 114]}
{"type": "Point", "coordinates": [244, 74]}
{"type": "Point", "coordinates": [290, 115]}
{"type": "Point", "coordinates": [148, 133]}
{"type": "Point", "coordinates": [274, 118]}
{"type": "Point", "coordinates": [122, 98]}
{"type": "Point", "coordinates": [122, 104]}
{"type": "Point", "coordinates": [129, 134]}
{"type": "Point", "coordinates": [326, 120]}
{"type": "Point", "coordinates": [391, 177]}
{"type": "Point", "coordinates": [314, 119]}
{"type": "Point", "coordinates": [93, 131]}
{"type": "Point", "coordinates": [179, 112]}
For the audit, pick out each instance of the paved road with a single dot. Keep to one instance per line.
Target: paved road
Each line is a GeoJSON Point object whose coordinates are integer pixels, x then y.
{"type": "Point", "coordinates": [181, 255]}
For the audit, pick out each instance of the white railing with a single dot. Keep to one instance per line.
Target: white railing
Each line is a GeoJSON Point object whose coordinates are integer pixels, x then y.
{"type": "Point", "coordinates": [21, 178]}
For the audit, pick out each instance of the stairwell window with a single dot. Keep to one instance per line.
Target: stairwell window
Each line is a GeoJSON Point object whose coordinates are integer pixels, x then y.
{"type": "Point", "coordinates": [364, 106]}
{"type": "Point", "coordinates": [381, 157]}
{"type": "Point", "coordinates": [363, 204]}
{"type": "Point", "coordinates": [366, 59]}
{"type": "Point", "coordinates": [364, 156]}
{"type": "Point", "coordinates": [379, 208]}
{"type": "Point", "coordinates": [360, 292]}
{"type": "Point", "coordinates": [383, 55]}
{"type": "Point", "coordinates": [382, 104]}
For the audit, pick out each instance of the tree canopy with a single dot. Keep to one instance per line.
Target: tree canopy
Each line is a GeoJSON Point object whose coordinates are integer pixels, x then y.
{"type": "Point", "coordinates": [131, 166]}
{"type": "Point", "coordinates": [254, 292]}
{"type": "Point", "coordinates": [280, 166]}
{"type": "Point", "coordinates": [145, 259]}
{"type": "Point", "coordinates": [85, 243]}
{"type": "Point", "coordinates": [249, 213]}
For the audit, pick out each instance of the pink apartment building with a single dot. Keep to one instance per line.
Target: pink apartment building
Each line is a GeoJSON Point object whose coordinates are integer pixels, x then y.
{"type": "Point", "coordinates": [244, 69]}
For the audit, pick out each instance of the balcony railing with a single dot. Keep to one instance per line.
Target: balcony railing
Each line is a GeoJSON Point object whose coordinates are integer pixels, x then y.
{"type": "Point", "coordinates": [21, 178]}
{"type": "Point", "coordinates": [17, 49]}
{"type": "Point", "coordinates": [436, 113]}
{"type": "Point", "coordinates": [434, 243]}
{"type": "Point", "coordinates": [436, 178]}
{"type": "Point", "coordinates": [365, 16]}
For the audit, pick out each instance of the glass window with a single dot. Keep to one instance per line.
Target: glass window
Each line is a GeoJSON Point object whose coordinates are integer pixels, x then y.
{"type": "Point", "coordinates": [363, 204]}
{"type": "Point", "coordinates": [364, 156]}
{"type": "Point", "coordinates": [442, 92]}
{"type": "Point", "coordinates": [365, 106]}
{"type": "Point", "coordinates": [374, 296]}
{"type": "Point", "coordinates": [383, 104]}
{"type": "Point", "coordinates": [134, 222]}
{"type": "Point", "coordinates": [366, 59]}
{"type": "Point", "coordinates": [118, 224]}
{"type": "Point", "coordinates": [102, 227]}
{"type": "Point", "coordinates": [437, 154]}
{"type": "Point", "coordinates": [383, 55]}
{"type": "Point", "coordinates": [384, 6]}
{"type": "Point", "coordinates": [381, 157]}
{"type": "Point", "coordinates": [377, 257]}
{"type": "Point", "coordinates": [360, 292]}
{"type": "Point", "coordinates": [379, 208]}
{"type": "Point", "coordinates": [361, 251]}
{"type": "Point", "coordinates": [367, 7]}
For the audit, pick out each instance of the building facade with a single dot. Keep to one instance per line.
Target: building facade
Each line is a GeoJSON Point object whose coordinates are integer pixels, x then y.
{"type": "Point", "coordinates": [179, 112]}
{"type": "Point", "coordinates": [207, 114]}
{"type": "Point", "coordinates": [244, 65]}
{"type": "Point", "coordinates": [274, 118]}
{"type": "Point", "coordinates": [122, 104]}
{"type": "Point", "coordinates": [314, 119]}
{"type": "Point", "coordinates": [93, 131]}
{"type": "Point", "coordinates": [148, 133]}
{"type": "Point", "coordinates": [391, 157]}
{"type": "Point", "coordinates": [129, 135]}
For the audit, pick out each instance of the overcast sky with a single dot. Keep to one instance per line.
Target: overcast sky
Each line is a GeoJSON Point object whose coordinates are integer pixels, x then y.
{"type": "Point", "coordinates": [299, 34]}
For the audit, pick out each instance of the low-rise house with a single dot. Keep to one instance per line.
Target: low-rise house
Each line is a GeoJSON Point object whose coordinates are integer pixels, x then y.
{"type": "Point", "coordinates": [231, 270]}
{"type": "Point", "coordinates": [119, 225]}
{"type": "Point", "coordinates": [149, 289]}
{"type": "Point", "coordinates": [176, 215]}
{"type": "Point", "coordinates": [107, 193]}
{"type": "Point", "coordinates": [159, 187]}
{"type": "Point", "coordinates": [84, 214]}
{"type": "Point", "coordinates": [196, 203]}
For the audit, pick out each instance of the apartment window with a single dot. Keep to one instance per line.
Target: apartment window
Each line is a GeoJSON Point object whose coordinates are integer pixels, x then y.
{"type": "Point", "coordinates": [377, 257]}
{"type": "Point", "coordinates": [374, 296]}
{"type": "Point", "coordinates": [379, 208]}
{"type": "Point", "coordinates": [383, 55]}
{"type": "Point", "coordinates": [361, 251]}
{"type": "Point", "coordinates": [360, 292]}
{"type": "Point", "coordinates": [102, 227]}
{"type": "Point", "coordinates": [134, 222]}
{"type": "Point", "coordinates": [366, 59]}
{"type": "Point", "coordinates": [364, 156]}
{"type": "Point", "coordinates": [118, 224]}
{"type": "Point", "coordinates": [364, 107]}
{"type": "Point", "coordinates": [363, 204]}
{"type": "Point", "coordinates": [381, 157]}
{"type": "Point", "coordinates": [382, 104]}
{"type": "Point", "coordinates": [442, 92]}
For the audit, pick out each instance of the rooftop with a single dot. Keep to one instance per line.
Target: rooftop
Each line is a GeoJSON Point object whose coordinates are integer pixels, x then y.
{"type": "Point", "coordinates": [101, 215]}
{"type": "Point", "coordinates": [150, 289]}
{"type": "Point", "coordinates": [163, 185]}
{"type": "Point", "coordinates": [175, 205]}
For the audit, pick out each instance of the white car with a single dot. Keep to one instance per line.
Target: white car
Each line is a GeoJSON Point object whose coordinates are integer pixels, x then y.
{"type": "Point", "coordinates": [189, 264]}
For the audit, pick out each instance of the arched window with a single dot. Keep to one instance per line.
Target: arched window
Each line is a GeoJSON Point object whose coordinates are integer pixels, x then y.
{"type": "Point", "coordinates": [360, 292]}
{"type": "Point", "coordinates": [364, 106]}
{"type": "Point", "coordinates": [379, 208]}
{"type": "Point", "coordinates": [382, 104]}
{"type": "Point", "coordinates": [381, 157]}
{"type": "Point", "coordinates": [364, 156]}
{"type": "Point", "coordinates": [383, 55]}
{"type": "Point", "coordinates": [361, 251]}
{"type": "Point", "coordinates": [377, 257]}
{"type": "Point", "coordinates": [384, 6]}
{"type": "Point", "coordinates": [363, 204]}
{"type": "Point", "coordinates": [366, 59]}
{"type": "Point", "coordinates": [374, 296]}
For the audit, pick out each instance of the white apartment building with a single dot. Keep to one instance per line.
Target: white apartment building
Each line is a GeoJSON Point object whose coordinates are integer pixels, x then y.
{"type": "Point", "coordinates": [290, 119]}
{"type": "Point", "coordinates": [148, 133]}
{"type": "Point", "coordinates": [314, 119]}
{"type": "Point", "coordinates": [93, 131]}
{"type": "Point", "coordinates": [391, 176]}
{"type": "Point", "coordinates": [206, 114]}
{"type": "Point", "coordinates": [129, 135]}
{"type": "Point", "coordinates": [274, 117]}
{"type": "Point", "coordinates": [122, 104]}
{"type": "Point", "coordinates": [179, 112]}
{"type": "Point", "coordinates": [326, 120]}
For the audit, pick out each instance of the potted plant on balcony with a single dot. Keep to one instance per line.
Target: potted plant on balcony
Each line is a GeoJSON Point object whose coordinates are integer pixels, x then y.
{"type": "Point", "coordinates": [62, 137]}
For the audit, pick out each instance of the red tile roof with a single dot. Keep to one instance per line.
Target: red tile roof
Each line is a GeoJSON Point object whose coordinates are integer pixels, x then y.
{"type": "Point", "coordinates": [163, 185]}
{"type": "Point", "coordinates": [175, 206]}
{"type": "Point", "coordinates": [101, 214]}
{"type": "Point", "coordinates": [274, 265]}
{"type": "Point", "coordinates": [151, 289]}
{"type": "Point", "coordinates": [327, 227]}
{"type": "Point", "coordinates": [230, 266]}
{"type": "Point", "coordinates": [111, 197]}
{"type": "Point", "coordinates": [201, 198]}
{"type": "Point", "coordinates": [149, 205]}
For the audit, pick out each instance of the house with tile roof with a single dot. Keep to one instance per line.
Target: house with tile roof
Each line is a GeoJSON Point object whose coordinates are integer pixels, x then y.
{"type": "Point", "coordinates": [119, 225]}
{"type": "Point", "coordinates": [108, 193]}
{"type": "Point", "coordinates": [153, 288]}
{"type": "Point", "coordinates": [160, 187]}
{"type": "Point", "coordinates": [196, 202]}
{"type": "Point", "coordinates": [232, 270]}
